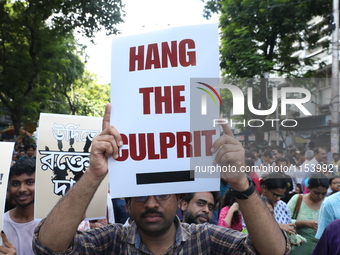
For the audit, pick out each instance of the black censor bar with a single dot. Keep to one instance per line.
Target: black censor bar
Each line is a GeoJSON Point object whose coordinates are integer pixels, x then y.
{"type": "Point", "coordinates": [163, 177]}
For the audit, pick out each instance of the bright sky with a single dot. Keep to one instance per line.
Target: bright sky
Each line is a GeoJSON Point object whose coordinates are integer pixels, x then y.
{"type": "Point", "coordinates": [144, 16]}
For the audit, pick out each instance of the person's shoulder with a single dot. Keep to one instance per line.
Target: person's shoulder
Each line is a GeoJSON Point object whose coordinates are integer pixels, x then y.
{"type": "Point", "coordinates": [7, 217]}
{"type": "Point", "coordinates": [335, 223]}
{"type": "Point", "coordinates": [333, 227]}
{"type": "Point", "coordinates": [281, 203]}
{"type": "Point", "coordinates": [295, 197]}
{"type": "Point", "coordinates": [199, 228]}
{"type": "Point", "coordinates": [332, 198]}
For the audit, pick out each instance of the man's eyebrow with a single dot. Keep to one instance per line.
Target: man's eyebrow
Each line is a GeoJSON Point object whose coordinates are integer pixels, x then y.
{"type": "Point", "coordinates": [30, 179]}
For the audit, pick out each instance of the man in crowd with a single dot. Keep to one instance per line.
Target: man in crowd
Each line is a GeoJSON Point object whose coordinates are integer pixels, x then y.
{"type": "Point", "coordinates": [19, 223]}
{"type": "Point", "coordinates": [156, 229]}
{"type": "Point", "coordinates": [257, 161]}
{"type": "Point", "coordinates": [329, 211]}
{"type": "Point", "coordinates": [198, 207]}
{"type": "Point", "coordinates": [29, 151]}
{"type": "Point", "coordinates": [311, 166]}
{"type": "Point", "coordinates": [277, 153]}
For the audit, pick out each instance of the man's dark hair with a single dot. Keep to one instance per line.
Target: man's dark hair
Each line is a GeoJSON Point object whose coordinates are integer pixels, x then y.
{"type": "Point", "coordinates": [332, 178]}
{"type": "Point", "coordinates": [24, 166]}
{"type": "Point", "coordinates": [187, 198]}
{"type": "Point", "coordinates": [281, 159]}
{"type": "Point", "coordinates": [30, 146]}
{"type": "Point", "coordinates": [268, 154]}
{"type": "Point", "coordinates": [279, 150]}
{"type": "Point", "coordinates": [291, 160]}
{"type": "Point", "coordinates": [302, 152]}
{"type": "Point", "coordinates": [292, 151]}
{"type": "Point", "coordinates": [317, 150]}
{"type": "Point", "coordinates": [335, 153]}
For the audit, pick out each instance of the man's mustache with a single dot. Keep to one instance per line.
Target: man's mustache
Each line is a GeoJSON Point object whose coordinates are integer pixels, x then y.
{"type": "Point", "coordinates": [151, 211]}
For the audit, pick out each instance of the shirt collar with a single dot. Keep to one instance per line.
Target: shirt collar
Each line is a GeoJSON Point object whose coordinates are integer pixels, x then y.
{"type": "Point", "coordinates": [133, 236]}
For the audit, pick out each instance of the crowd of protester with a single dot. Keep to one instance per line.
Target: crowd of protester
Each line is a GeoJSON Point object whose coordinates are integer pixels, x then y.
{"type": "Point", "coordinates": [293, 183]}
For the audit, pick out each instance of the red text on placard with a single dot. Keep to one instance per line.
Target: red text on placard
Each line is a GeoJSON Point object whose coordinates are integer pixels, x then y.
{"type": "Point", "coordinates": [166, 99]}
{"type": "Point", "coordinates": [187, 144]}
{"type": "Point", "coordinates": [160, 55]}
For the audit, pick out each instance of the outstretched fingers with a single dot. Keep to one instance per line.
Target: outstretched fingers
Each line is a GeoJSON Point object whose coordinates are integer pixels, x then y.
{"type": "Point", "coordinates": [110, 140]}
{"type": "Point", "coordinates": [106, 117]}
{"type": "Point", "coordinates": [230, 152]}
{"type": "Point", "coordinates": [227, 130]}
{"type": "Point", "coordinates": [8, 247]}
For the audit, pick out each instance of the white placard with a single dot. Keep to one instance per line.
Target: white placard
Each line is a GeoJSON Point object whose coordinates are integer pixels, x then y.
{"type": "Point", "coordinates": [63, 155]}
{"type": "Point", "coordinates": [6, 151]}
{"type": "Point", "coordinates": [164, 137]}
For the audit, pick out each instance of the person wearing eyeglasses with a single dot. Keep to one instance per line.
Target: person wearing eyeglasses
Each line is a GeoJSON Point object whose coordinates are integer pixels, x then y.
{"type": "Point", "coordinates": [334, 185]}
{"type": "Point", "coordinates": [155, 228]}
{"type": "Point", "coordinates": [282, 164]}
{"type": "Point", "coordinates": [307, 218]}
{"type": "Point", "coordinates": [274, 188]}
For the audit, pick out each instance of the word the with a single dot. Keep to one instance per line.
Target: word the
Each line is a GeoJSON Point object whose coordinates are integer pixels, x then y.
{"type": "Point", "coordinates": [169, 96]}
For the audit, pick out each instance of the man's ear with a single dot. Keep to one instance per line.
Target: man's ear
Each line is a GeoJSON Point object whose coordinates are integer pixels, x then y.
{"type": "Point", "coordinates": [127, 206]}
{"type": "Point", "coordinates": [183, 205]}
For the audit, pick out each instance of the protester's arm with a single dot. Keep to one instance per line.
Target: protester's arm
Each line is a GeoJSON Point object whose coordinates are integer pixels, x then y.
{"type": "Point", "coordinates": [313, 224]}
{"type": "Point", "coordinates": [229, 217]}
{"type": "Point", "coordinates": [8, 247]}
{"type": "Point", "coordinates": [263, 230]}
{"type": "Point", "coordinates": [60, 226]}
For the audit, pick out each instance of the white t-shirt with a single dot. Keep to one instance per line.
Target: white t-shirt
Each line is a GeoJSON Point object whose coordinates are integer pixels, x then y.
{"type": "Point", "coordinates": [20, 234]}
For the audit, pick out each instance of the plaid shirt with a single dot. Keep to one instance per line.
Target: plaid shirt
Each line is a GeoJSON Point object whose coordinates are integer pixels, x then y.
{"type": "Point", "coordinates": [190, 239]}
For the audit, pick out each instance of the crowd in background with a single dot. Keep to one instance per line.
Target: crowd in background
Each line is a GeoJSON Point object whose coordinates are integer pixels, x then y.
{"type": "Point", "coordinates": [293, 183]}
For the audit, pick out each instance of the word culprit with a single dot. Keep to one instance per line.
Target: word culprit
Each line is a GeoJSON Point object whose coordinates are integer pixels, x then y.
{"type": "Point", "coordinates": [169, 96]}
{"type": "Point", "coordinates": [160, 55]}
{"type": "Point", "coordinates": [187, 144]}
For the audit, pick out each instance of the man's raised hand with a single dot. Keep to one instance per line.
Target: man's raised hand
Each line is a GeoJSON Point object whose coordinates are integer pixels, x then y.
{"type": "Point", "coordinates": [230, 153]}
{"type": "Point", "coordinates": [104, 145]}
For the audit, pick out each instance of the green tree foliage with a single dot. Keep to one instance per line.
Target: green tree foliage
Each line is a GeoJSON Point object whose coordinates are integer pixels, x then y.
{"type": "Point", "coordinates": [38, 57]}
{"type": "Point", "coordinates": [87, 97]}
{"type": "Point", "coordinates": [259, 37]}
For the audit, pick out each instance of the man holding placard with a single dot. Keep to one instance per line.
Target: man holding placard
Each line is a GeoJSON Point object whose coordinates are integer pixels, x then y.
{"type": "Point", "coordinates": [156, 229]}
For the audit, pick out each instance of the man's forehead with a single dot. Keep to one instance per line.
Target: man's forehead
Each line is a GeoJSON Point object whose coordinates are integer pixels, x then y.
{"type": "Point", "coordinates": [206, 196]}
{"type": "Point", "coordinates": [23, 176]}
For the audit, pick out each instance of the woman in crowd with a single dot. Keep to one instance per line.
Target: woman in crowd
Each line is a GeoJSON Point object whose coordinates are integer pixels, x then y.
{"type": "Point", "coordinates": [230, 216]}
{"type": "Point", "coordinates": [305, 212]}
{"type": "Point", "coordinates": [274, 188]}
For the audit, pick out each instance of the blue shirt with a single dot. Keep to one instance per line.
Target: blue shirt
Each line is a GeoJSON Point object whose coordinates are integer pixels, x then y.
{"type": "Point", "coordinates": [329, 211]}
